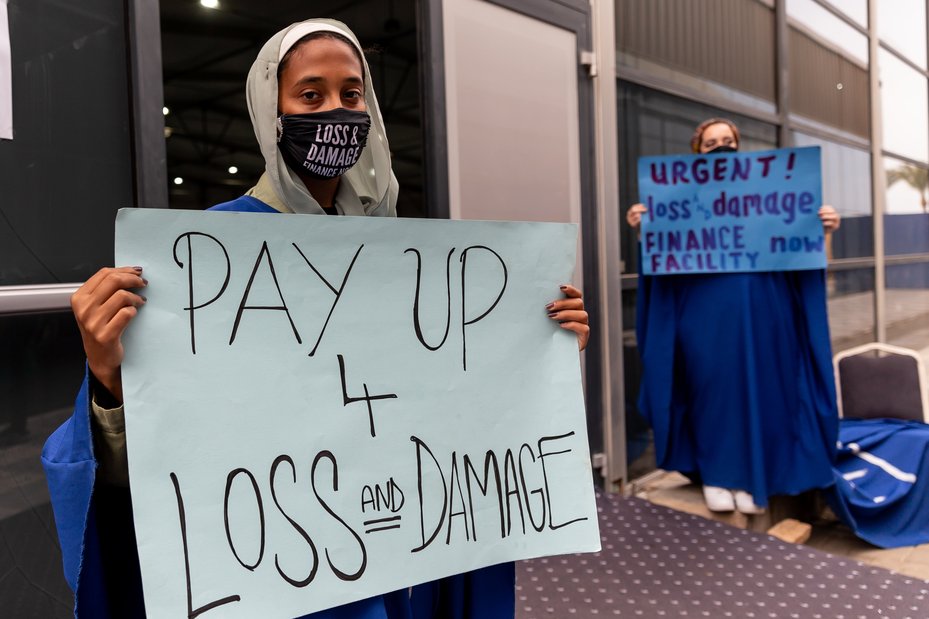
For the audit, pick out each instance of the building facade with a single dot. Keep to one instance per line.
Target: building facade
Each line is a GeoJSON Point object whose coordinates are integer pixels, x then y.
{"type": "Point", "coordinates": [849, 77]}
{"type": "Point", "coordinates": [497, 109]}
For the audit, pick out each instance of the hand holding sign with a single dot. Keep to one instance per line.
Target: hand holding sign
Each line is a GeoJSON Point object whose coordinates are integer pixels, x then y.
{"type": "Point", "coordinates": [830, 218]}
{"type": "Point", "coordinates": [103, 307]}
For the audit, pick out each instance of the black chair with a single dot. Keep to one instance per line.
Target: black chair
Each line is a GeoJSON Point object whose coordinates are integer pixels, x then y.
{"type": "Point", "coordinates": [881, 381]}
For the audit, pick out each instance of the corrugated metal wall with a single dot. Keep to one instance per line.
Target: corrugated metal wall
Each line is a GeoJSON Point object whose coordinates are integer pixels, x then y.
{"type": "Point", "coordinates": [731, 42]}
{"type": "Point", "coordinates": [815, 74]}
{"type": "Point", "coordinates": [728, 41]}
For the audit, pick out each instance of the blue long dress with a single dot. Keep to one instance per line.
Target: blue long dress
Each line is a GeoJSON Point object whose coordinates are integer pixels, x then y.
{"type": "Point", "coordinates": [98, 547]}
{"type": "Point", "coordinates": [737, 379]}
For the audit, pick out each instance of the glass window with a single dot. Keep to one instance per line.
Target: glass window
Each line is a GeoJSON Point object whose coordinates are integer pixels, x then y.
{"type": "Point", "coordinates": [640, 449]}
{"type": "Point", "coordinates": [69, 165]}
{"type": "Point", "coordinates": [40, 370]}
{"type": "Point", "coordinates": [907, 190]}
{"type": "Point", "coordinates": [906, 213]}
{"type": "Point", "coordinates": [847, 187]}
{"type": "Point", "coordinates": [820, 21]}
{"type": "Point", "coordinates": [907, 303]}
{"type": "Point", "coordinates": [856, 9]}
{"type": "Point", "coordinates": [902, 25]}
{"type": "Point", "coordinates": [906, 232]}
{"type": "Point", "coordinates": [904, 102]}
{"type": "Point", "coordinates": [851, 307]}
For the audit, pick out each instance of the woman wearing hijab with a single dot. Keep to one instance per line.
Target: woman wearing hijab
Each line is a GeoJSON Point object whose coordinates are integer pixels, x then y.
{"type": "Point", "coordinates": [309, 80]}
{"type": "Point", "coordinates": [737, 379]}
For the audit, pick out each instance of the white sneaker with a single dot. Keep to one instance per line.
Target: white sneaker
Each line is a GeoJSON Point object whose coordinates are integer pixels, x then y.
{"type": "Point", "coordinates": [746, 504]}
{"type": "Point", "coordinates": [718, 499]}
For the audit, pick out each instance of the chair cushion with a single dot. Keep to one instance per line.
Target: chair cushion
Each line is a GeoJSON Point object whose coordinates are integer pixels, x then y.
{"type": "Point", "coordinates": [880, 386]}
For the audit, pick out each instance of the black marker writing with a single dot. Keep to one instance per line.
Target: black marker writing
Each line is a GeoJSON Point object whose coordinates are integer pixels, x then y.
{"type": "Point", "coordinates": [455, 487]}
{"type": "Point", "coordinates": [367, 399]}
{"type": "Point", "coordinates": [337, 293]}
{"type": "Point", "coordinates": [419, 486]}
{"type": "Point", "coordinates": [514, 492]}
{"type": "Point", "coordinates": [526, 493]}
{"type": "Point", "coordinates": [511, 489]}
{"type": "Point", "coordinates": [328, 455]}
{"type": "Point", "coordinates": [382, 524]}
{"type": "Point", "coordinates": [190, 278]}
{"type": "Point", "coordinates": [296, 583]}
{"type": "Point", "coordinates": [261, 517]}
{"type": "Point", "coordinates": [490, 459]}
{"type": "Point", "coordinates": [548, 493]}
{"type": "Point", "coordinates": [448, 292]}
{"type": "Point", "coordinates": [464, 321]}
{"type": "Point", "coordinates": [191, 611]}
{"type": "Point", "coordinates": [248, 287]}
{"type": "Point", "coordinates": [389, 497]}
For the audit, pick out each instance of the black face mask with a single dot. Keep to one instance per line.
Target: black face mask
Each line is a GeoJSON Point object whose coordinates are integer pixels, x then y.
{"type": "Point", "coordinates": [322, 144]}
{"type": "Point", "coordinates": [723, 148]}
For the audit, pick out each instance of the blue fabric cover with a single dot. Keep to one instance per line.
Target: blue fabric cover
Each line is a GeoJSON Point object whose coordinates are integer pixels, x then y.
{"type": "Point", "coordinates": [101, 563]}
{"type": "Point", "coordinates": [882, 481]}
{"type": "Point", "coordinates": [737, 379]}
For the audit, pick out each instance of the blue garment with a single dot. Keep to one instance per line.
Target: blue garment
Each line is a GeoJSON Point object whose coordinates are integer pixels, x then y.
{"type": "Point", "coordinates": [737, 379]}
{"type": "Point", "coordinates": [244, 204]}
{"type": "Point", "coordinates": [882, 481]}
{"type": "Point", "coordinates": [488, 593]}
{"type": "Point", "coordinates": [98, 546]}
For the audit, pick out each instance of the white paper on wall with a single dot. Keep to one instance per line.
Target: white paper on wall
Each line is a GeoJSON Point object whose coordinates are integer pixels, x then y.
{"type": "Point", "coordinates": [6, 76]}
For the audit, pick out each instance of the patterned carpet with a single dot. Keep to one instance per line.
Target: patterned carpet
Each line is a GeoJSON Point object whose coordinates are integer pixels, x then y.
{"type": "Point", "coordinates": [659, 563]}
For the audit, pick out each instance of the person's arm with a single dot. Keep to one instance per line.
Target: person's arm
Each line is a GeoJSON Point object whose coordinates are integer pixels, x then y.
{"type": "Point", "coordinates": [109, 429]}
{"type": "Point", "coordinates": [570, 314]}
{"type": "Point", "coordinates": [103, 307]}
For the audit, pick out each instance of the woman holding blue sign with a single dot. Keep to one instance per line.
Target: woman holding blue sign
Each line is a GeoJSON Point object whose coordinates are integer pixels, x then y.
{"type": "Point", "coordinates": [309, 80]}
{"type": "Point", "coordinates": [737, 379]}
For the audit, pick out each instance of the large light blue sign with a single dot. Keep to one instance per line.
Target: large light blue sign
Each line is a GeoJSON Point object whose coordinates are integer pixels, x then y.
{"type": "Point", "coordinates": [321, 409]}
{"type": "Point", "coordinates": [733, 212]}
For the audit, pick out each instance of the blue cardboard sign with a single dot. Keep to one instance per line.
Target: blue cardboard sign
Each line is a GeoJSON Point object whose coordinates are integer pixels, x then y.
{"type": "Point", "coordinates": [323, 409]}
{"type": "Point", "coordinates": [732, 212]}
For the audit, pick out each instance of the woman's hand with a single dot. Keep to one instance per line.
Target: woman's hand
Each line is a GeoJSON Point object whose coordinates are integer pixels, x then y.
{"type": "Point", "coordinates": [830, 218]}
{"type": "Point", "coordinates": [103, 307]}
{"type": "Point", "coordinates": [571, 315]}
{"type": "Point", "coordinates": [634, 215]}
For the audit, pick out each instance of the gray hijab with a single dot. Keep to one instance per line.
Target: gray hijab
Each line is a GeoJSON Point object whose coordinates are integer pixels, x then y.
{"type": "Point", "coordinates": [371, 179]}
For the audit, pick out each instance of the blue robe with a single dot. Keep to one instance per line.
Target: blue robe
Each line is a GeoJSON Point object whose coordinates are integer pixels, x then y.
{"type": "Point", "coordinates": [737, 379]}
{"type": "Point", "coordinates": [882, 481]}
{"type": "Point", "coordinates": [98, 546]}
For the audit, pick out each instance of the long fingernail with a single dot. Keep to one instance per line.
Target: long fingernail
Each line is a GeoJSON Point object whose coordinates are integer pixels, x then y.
{"type": "Point", "coordinates": [139, 269]}
{"type": "Point", "coordinates": [563, 287]}
{"type": "Point", "coordinates": [552, 314]}
{"type": "Point", "coordinates": [550, 305]}
{"type": "Point", "coordinates": [144, 300]}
